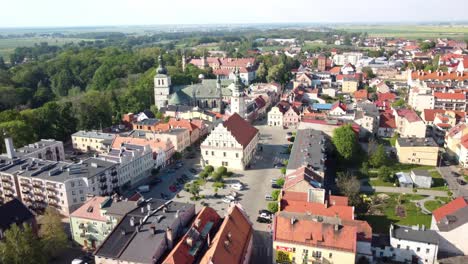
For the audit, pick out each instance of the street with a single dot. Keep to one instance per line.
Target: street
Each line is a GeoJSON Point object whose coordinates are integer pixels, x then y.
{"type": "Point", "coordinates": [256, 180]}
{"type": "Point", "coordinates": [453, 185]}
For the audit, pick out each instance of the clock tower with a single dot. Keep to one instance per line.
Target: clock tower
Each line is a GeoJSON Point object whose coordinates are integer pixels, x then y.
{"type": "Point", "coordinates": [162, 85]}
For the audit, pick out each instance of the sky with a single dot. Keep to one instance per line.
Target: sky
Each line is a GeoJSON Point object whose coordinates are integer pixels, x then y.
{"type": "Point", "coordinates": [65, 13]}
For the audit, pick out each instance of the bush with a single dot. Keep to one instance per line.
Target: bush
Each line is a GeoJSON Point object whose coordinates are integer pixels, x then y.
{"type": "Point", "coordinates": [203, 175]}
{"type": "Point", "coordinates": [273, 207]}
{"type": "Point", "coordinates": [280, 182]}
{"type": "Point", "coordinates": [283, 171]}
{"type": "Point", "coordinates": [385, 174]}
{"type": "Point", "coordinates": [221, 170]}
{"type": "Point", "coordinates": [275, 194]}
{"type": "Point", "coordinates": [217, 177]}
{"type": "Point", "coordinates": [209, 169]}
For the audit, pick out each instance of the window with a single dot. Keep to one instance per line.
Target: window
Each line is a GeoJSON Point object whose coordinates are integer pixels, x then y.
{"type": "Point", "coordinates": [224, 154]}
{"type": "Point", "coordinates": [72, 184]}
{"type": "Point", "coordinates": [237, 155]}
{"type": "Point", "coordinates": [330, 255]}
{"type": "Point", "coordinates": [212, 153]}
{"type": "Point", "coordinates": [81, 191]}
{"type": "Point", "coordinates": [427, 250]}
{"type": "Point", "coordinates": [418, 249]}
{"type": "Point", "coordinates": [74, 200]}
{"type": "Point", "coordinates": [398, 246]}
{"type": "Point", "coordinates": [73, 192]}
{"type": "Point", "coordinates": [206, 152]}
{"type": "Point", "coordinates": [82, 199]}
{"type": "Point", "coordinates": [317, 254]}
{"type": "Point", "coordinates": [407, 247]}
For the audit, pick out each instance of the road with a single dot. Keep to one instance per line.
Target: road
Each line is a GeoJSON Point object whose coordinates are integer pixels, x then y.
{"type": "Point", "coordinates": [454, 187]}
{"type": "Point", "coordinates": [257, 182]}
{"type": "Point", "coordinates": [370, 189]}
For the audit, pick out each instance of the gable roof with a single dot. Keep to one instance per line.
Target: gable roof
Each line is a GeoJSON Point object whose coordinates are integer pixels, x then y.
{"type": "Point", "coordinates": [91, 209]}
{"type": "Point", "coordinates": [450, 96]}
{"type": "Point", "coordinates": [240, 129]}
{"type": "Point", "coordinates": [361, 94]}
{"type": "Point", "coordinates": [387, 120]}
{"type": "Point", "coordinates": [232, 240]}
{"type": "Point", "coordinates": [206, 221]}
{"type": "Point", "coordinates": [340, 105]}
{"type": "Point", "coordinates": [409, 115]}
{"type": "Point", "coordinates": [14, 212]}
{"type": "Point", "coordinates": [299, 175]}
{"type": "Point", "coordinates": [449, 208]}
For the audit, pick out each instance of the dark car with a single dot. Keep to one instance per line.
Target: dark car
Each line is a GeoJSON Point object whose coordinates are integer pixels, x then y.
{"type": "Point", "coordinates": [279, 165]}
{"type": "Point", "coordinates": [263, 220]}
{"type": "Point", "coordinates": [155, 181]}
{"type": "Point", "coordinates": [461, 182]}
{"type": "Point", "coordinates": [192, 170]}
{"type": "Point", "coordinates": [275, 186]}
{"type": "Point", "coordinates": [455, 174]}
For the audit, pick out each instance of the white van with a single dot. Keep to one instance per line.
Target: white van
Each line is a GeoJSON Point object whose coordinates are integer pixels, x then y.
{"type": "Point", "coordinates": [143, 188]}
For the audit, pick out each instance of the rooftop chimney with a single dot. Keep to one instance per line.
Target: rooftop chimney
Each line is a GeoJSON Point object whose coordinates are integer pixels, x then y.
{"type": "Point", "coordinates": [169, 238]}
{"type": "Point", "coordinates": [10, 148]}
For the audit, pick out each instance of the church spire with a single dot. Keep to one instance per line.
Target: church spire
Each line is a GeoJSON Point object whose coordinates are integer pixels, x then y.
{"type": "Point", "coordinates": [161, 68]}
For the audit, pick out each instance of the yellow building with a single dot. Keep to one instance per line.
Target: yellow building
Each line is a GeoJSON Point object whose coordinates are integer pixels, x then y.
{"type": "Point", "coordinates": [421, 151]}
{"type": "Point", "coordinates": [350, 85]}
{"type": "Point", "coordinates": [304, 238]}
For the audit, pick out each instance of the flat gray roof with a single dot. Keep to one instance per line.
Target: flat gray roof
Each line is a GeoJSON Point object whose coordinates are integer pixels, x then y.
{"type": "Point", "coordinates": [94, 134]}
{"type": "Point", "coordinates": [309, 148]}
{"type": "Point", "coordinates": [417, 142]}
{"type": "Point", "coordinates": [408, 233]}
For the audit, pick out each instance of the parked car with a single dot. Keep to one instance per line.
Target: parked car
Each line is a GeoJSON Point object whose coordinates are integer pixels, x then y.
{"type": "Point", "coordinates": [237, 186]}
{"type": "Point", "coordinates": [265, 215]}
{"type": "Point", "coordinates": [279, 165]}
{"type": "Point", "coordinates": [275, 186]}
{"type": "Point", "coordinates": [233, 194]}
{"type": "Point", "coordinates": [143, 188]}
{"type": "Point", "coordinates": [154, 181]}
{"type": "Point", "coordinates": [226, 200]}
{"type": "Point", "coordinates": [455, 174]}
{"type": "Point", "coordinates": [83, 260]}
{"type": "Point", "coordinates": [264, 211]}
{"type": "Point", "coordinates": [173, 188]}
{"type": "Point", "coordinates": [263, 220]}
{"type": "Point", "coordinates": [461, 182]}
{"type": "Point", "coordinates": [230, 197]}
{"type": "Point", "coordinates": [192, 170]}
{"type": "Point", "coordinates": [268, 197]}
{"type": "Point", "coordinates": [273, 181]}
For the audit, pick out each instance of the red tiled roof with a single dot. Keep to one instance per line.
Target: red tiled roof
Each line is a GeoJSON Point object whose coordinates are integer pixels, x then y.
{"type": "Point", "coordinates": [409, 114]}
{"type": "Point", "coordinates": [361, 94]}
{"type": "Point", "coordinates": [430, 114]}
{"type": "Point", "coordinates": [240, 129]}
{"type": "Point", "coordinates": [316, 234]}
{"type": "Point", "coordinates": [335, 70]}
{"type": "Point", "coordinates": [340, 105]}
{"type": "Point", "coordinates": [464, 141]}
{"type": "Point", "coordinates": [387, 120]}
{"type": "Point", "coordinates": [237, 230]}
{"type": "Point", "coordinates": [441, 76]}
{"type": "Point", "coordinates": [450, 96]}
{"type": "Point", "coordinates": [297, 202]}
{"type": "Point", "coordinates": [91, 209]}
{"type": "Point", "coordinates": [449, 208]}
{"type": "Point", "coordinates": [180, 253]}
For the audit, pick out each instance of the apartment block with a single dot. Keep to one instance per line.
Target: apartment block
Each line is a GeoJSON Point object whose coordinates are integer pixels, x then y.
{"type": "Point", "coordinates": [92, 141]}
{"type": "Point", "coordinates": [421, 151]}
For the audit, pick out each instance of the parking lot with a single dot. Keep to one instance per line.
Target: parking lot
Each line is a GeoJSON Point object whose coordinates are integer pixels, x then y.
{"type": "Point", "coordinates": [256, 182]}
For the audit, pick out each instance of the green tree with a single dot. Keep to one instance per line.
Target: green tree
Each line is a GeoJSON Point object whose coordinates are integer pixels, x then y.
{"type": "Point", "coordinates": [344, 140]}
{"type": "Point", "coordinates": [283, 170]}
{"type": "Point", "coordinates": [399, 103]}
{"type": "Point", "coordinates": [166, 119]}
{"type": "Point", "coordinates": [280, 182]}
{"type": "Point", "coordinates": [21, 133]}
{"type": "Point", "coordinates": [349, 186]}
{"type": "Point", "coordinates": [21, 246]}
{"type": "Point", "coordinates": [262, 72]}
{"type": "Point", "coordinates": [217, 177]}
{"type": "Point", "coordinates": [177, 155]}
{"type": "Point", "coordinates": [369, 72]}
{"type": "Point", "coordinates": [273, 207]}
{"type": "Point", "coordinates": [203, 175]}
{"type": "Point", "coordinates": [378, 158]}
{"type": "Point", "coordinates": [385, 174]}
{"type": "Point", "coordinates": [52, 233]}
{"type": "Point", "coordinates": [194, 189]}
{"type": "Point", "coordinates": [159, 115]}
{"type": "Point", "coordinates": [222, 170]}
{"type": "Point", "coordinates": [154, 109]}
{"type": "Point", "coordinates": [2, 64]}
{"type": "Point", "coordinates": [209, 169]}
{"type": "Point", "coordinates": [275, 194]}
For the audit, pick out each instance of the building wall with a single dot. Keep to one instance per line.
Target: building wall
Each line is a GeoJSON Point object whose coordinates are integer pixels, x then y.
{"type": "Point", "coordinates": [180, 140]}
{"type": "Point", "coordinates": [85, 229]}
{"type": "Point", "coordinates": [418, 155]}
{"type": "Point", "coordinates": [386, 132]}
{"type": "Point", "coordinates": [452, 242]}
{"type": "Point", "coordinates": [410, 129]}
{"type": "Point", "coordinates": [349, 86]}
{"type": "Point", "coordinates": [404, 251]}
{"type": "Point", "coordinates": [275, 117]}
{"type": "Point", "coordinates": [419, 102]}
{"type": "Point", "coordinates": [85, 144]}
{"type": "Point", "coordinates": [284, 252]}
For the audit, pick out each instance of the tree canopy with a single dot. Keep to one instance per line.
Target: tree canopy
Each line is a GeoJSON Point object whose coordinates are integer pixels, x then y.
{"type": "Point", "coordinates": [345, 141]}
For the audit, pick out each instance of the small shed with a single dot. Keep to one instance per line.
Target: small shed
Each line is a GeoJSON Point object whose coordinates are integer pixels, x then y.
{"type": "Point", "coordinates": [421, 178]}
{"type": "Point", "coordinates": [404, 180]}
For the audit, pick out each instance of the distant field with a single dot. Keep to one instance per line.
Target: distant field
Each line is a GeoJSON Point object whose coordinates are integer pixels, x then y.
{"type": "Point", "coordinates": [412, 31]}
{"type": "Point", "coordinates": [7, 46]}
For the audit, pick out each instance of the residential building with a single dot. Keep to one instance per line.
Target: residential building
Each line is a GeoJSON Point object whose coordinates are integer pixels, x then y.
{"type": "Point", "coordinates": [387, 124]}
{"type": "Point", "coordinates": [291, 117]}
{"type": "Point", "coordinates": [367, 116]}
{"type": "Point", "coordinates": [149, 124]}
{"type": "Point", "coordinates": [409, 124]}
{"type": "Point", "coordinates": [146, 233]}
{"type": "Point", "coordinates": [193, 244]}
{"type": "Point", "coordinates": [231, 144]}
{"type": "Point", "coordinates": [338, 109]}
{"type": "Point", "coordinates": [350, 85]}
{"type": "Point", "coordinates": [233, 243]}
{"type": "Point", "coordinates": [421, 151]}
{"type": "Point", "coordinates": [310, 149]}
{"type": "Point", "coordinates": [450, 222]}
{"type": "Point", "coordinates": [302, 180]}
{"type": "Point", "coordinates": [15, 212]}
{"type": "Point", "coordinates": [92, 141]}
{"type": "Point", "coordinates": [449, 78]}
{"type": "Point", "coordinates": [48, 149]}
{"type": "Point", "coordinates": [275, 116]}
{"type": "Point", "coordinates": [347, 57]}
{"type": "Point", "coordinates": [421, 178]}
{"type": "Point", "coordinates": [453, 139]}
{"type": "Point", "coordinates": [162, 150]}
{"type": "Point", "coordinates": [223, 67]}
{"type": "Point", "coordinates": [407, 245]}
{"type": "Point", "coordinates": [179, 137]}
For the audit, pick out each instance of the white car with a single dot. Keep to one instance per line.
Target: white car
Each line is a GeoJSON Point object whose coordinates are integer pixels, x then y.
{"type": "Point", "coordinates": [226, 200]}
{"type": "Point", "coordinates": [266, 216]}
{"type": "Point", "coordinates": [237, 186]}
{"type": "Point", "coordinates": [230, 197]}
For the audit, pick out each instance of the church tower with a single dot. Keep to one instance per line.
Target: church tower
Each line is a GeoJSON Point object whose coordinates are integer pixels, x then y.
{"type": "Point", "coordinates": [184, 61]}
{"type": "Point", "coordinates": [219, 92]}
{"type": "Point", "coordinates": [162, 85]}
{"type": "Point", "coordinates": [238, 96]}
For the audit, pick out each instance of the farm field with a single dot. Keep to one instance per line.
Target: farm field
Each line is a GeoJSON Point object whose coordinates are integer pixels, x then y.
{"type": "Point", "coordinates": [7, 46]}
{"type": "Point", "coordinates": [411, 31]}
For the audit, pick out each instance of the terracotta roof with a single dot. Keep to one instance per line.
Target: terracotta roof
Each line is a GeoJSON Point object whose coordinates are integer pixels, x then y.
{"type": "Point", "coordinates": [91, 209]}
{"type": "Point", "coordinates": [464, 141]}
{"type": "Point", "coordinates": [361, 94]}
{"type": "Point", "coordinates": [232, 240]}
{"type": "Point", "coordinates": [180, 254]}
{"type": "Point", "coordinates": [297, 202]}
{"type": "Point", "coordinates": [430, 114]}
{"type": "Point", "coordinates": [335, 70]}
{"type": "Point", "coordinates": [340, 105]}
{"type": "Point", "coordinates": [386, 96]}
{"type": "Point", "coordinates": [312, 233]}
{"type": "Point", "coordinates": [387, 120]}
{"type": "Point", "coordinates": [155, 145]}
{"type": "Point", "coordinates": [182, 123]}
{"type": "Point", "coordinates": [449, 208]}
{"type": "Point", "coordinates": [240, 129]}
{"type": "Point", "coordinates": [441, 76]}
{"type": "Point", "coordinates": [408, 114]}
{"type": "Point", "coordinates": [456, 129]}
{"type": "Point", "coordinates": [450, 96]}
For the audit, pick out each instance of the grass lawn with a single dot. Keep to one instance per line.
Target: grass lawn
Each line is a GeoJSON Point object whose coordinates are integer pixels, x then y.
{"type": "Point", "coordinates": [379, 182]}
{"type": "Point", "coordinates": [432, 205]}
{"type": "Point", "coordinates": [411, 31]}
{"type": "Point", "coordinates": [380, 222]}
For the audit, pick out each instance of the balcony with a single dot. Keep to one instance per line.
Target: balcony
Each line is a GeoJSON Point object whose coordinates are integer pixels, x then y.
{"type": "Point", "coordinates": [114, 173]}
{"type": "Point", "coordinates": [8, 187]}
{"type": "Point", "coordinates": [102, 180]}
{"type": "Point", "coordinates": [81, 226]}
{"type": "Point", "coordinates": [25, 183]}
{"type": "Point", "coordinates": [103, 187]}
{"type": "Point", "coordinates": [37, 185]}
{"type": "Point", "coordinates": [26, 190]}
{"type": "Point", "coordinates": [6, 179]}
{"type": "Point", "coordinates": [9, 194]}
{"type": "Point", "coordinates": [50, 188]}
{"type": "Point", "coordinates": [38, 191]}
{"type": "Point", "coordinates": [115, 180]}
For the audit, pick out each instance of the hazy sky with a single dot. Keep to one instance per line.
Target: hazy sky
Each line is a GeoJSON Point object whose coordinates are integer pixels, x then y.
{"type": "Point", "coordinates": [30, 13]}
